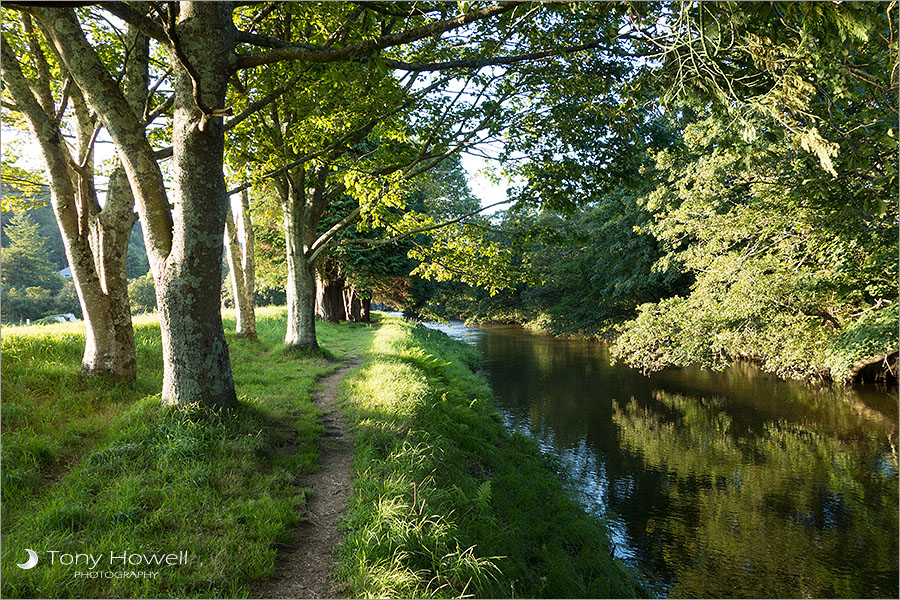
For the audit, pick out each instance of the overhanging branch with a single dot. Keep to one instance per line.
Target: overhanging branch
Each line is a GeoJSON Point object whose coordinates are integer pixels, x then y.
{"type": "Point", "coordinates": [382, 241]}
{"type": "Point", "coordinates": [475, 63]}
{"type": "Point", "coordinates": [284, 51]}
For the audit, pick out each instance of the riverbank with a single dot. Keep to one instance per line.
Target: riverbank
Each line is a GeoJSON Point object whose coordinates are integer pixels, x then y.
{"type": "Point", "coordinates": [853, 357]}
{"type": "Point", "coordinates": [445, 501]}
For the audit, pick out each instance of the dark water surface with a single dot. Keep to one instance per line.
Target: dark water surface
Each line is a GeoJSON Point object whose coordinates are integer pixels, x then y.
{"type": "Point", "coordinates": [731, 484]}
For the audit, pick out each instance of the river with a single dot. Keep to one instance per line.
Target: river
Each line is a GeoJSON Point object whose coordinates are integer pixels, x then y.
{"type": "Point", "coordinates": [716, 484]}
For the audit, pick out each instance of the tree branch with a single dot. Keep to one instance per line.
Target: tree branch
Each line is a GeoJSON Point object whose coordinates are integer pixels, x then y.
{"type": "Point", "coordinates": [350, 137]}
{"type": "Point", "coordinates": [150, 93]}
{"type": "Point", "coordinates": [41, 65]}
{"type": "Point", "coordinates": [474, 63]}
{"type": "Point", "coordinates": [64, 102]}
{"type": "Point", "coordinates": [322, 241]}
{"type": "Point", "coordinates": [283, 51]}
{"type": "Point", "coordinates": [261, 103]}
{"type": "Point", "coordinates": [163, 107]}
{"type": "Point", "coordinates": [147, 25]}
{"type": "Point", "coordinates": [406, 234]}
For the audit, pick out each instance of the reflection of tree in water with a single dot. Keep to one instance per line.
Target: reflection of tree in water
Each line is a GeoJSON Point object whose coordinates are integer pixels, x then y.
{"type": "Point", "coordinates": [751, 512]}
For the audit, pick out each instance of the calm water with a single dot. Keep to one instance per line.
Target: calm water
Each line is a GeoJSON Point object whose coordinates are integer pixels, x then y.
{"type": "Point", "coordinates": [731, 484]}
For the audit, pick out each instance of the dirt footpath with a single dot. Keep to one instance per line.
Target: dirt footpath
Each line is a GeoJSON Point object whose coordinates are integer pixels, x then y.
{"type": "Point", "coordinates": [305, 568]}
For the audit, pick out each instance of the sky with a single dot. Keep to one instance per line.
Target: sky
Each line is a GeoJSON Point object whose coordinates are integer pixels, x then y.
{"type": "Point", "coordinates": [483, 188]}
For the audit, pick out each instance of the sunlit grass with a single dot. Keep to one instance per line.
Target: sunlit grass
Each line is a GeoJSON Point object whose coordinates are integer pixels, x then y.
{"type": "Point", "coordinates": [51, 412]}
{"type": "Point", "coordinates": [446, 502]}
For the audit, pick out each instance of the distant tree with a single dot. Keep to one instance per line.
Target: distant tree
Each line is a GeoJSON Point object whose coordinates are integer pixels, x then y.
{"type": "Point", "coordinates": [142, 294]}
{"type": "Point", "coordinates": [241, 255]}
{"type": "Point", "coordinates": [25, 262]}
{"type": "Point", "coordinates": [49, 231]}
{"type": "Point", "coordinates": [136, 263]}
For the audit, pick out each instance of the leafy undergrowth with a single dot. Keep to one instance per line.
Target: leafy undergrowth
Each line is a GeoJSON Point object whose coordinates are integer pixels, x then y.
{"type": "Point", "coordinates": [100, 469]}
{"type": "Point", "coordinates": [446, 502]}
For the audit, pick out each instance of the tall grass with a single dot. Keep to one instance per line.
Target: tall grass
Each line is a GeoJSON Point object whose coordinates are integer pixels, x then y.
{"type": "Point", "coordinates": [51, 412]}
{"type": "Point", "coordinates": [98, 468]}
{"type": "Point", "coordinates": [446, 502]}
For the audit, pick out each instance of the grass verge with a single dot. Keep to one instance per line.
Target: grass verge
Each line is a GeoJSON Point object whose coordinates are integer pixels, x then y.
{"type": "Point", "coordinates": [95, 468]}
{"type": "Point", "coordinates": [446, 502]}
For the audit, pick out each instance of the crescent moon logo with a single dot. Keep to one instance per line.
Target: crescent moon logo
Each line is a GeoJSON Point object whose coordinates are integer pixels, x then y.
{"type": "Point", "coordinates": [32, 560]}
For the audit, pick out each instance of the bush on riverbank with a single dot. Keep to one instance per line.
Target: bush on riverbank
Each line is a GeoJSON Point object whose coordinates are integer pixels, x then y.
{"type": "Point", "coordinates": [446, 501]}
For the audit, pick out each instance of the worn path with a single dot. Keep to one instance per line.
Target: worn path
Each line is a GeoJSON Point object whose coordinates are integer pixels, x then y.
{"type": "Point", "coordinates": [306, 567]}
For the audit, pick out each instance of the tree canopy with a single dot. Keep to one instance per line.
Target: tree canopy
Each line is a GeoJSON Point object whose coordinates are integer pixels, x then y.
{"type": "Point", "coordinates": [699, 181]}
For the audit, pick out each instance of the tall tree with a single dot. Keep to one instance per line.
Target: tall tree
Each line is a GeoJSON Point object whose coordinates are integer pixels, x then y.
{"type": "Point", "coordinates": [241, 251]}
{"type": "Point", "coordinates": [95, 238]}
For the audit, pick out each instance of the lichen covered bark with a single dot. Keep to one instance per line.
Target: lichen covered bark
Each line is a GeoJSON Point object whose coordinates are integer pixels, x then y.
{"type": "Point", "coordinates": [109, 344]}
{"type": "Point", "coordinates": [197, 365]}
{"type": "Point", "coordinates": [301, 277]}
{"type": "Point", "coordinates": [95, 239]}
{"type": "Point", "coordinates": [301, 302]}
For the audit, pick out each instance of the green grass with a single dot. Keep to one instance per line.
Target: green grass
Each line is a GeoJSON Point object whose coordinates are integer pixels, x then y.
{"type": "Point", "coordinates": [51, 412]}
{"type": "Point", "coordinates": [446, 502]}
{"type": "Point", "coordinates": [95, 468]}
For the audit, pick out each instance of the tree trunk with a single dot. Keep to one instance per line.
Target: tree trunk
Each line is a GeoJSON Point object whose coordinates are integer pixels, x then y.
{"type": "Point", "coordinates": [365, 310]}
{"type": "Point", "coordinates": [329, 294]}
{"type": "Point", "coordinates": [301, 299]}
{"type": "Point", "coordinates": [184, 239]}
{"type": "Point", "coordinates": [195, 355]}
{"type": "Point", "coordinates": [95, 240]}
{"type": "Point", "coordinates": [98, 265]}
{"type": "Point", "coordinates": [242, 266]}
{"type": "Point", "coordinates": [352, 306]}
{"type": "Point", "coordinates": [109, 349]}
{"type": "Point", "coordinates": [249, 262]}
{"type": "Point", "coordinates": [301, 272]}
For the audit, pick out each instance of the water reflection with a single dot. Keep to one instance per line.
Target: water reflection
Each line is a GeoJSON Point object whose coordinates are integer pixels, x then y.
{"type": "Point", "coordinates": [731, 484]}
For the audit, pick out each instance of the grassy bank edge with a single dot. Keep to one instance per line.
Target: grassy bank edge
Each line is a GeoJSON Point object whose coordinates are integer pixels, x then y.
{"type": "Point", "coordinates": [448, 503]}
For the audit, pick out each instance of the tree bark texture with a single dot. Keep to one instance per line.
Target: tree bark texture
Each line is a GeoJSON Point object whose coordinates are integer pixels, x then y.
{"type": "Point", "coordinates": [301, 278]}
{"type": "Point", "coordinates": [197, 365]}
{"type": "Point", "coordinates": [352, 305]}
{"type": "Point", "coordinates": [330, 304]}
